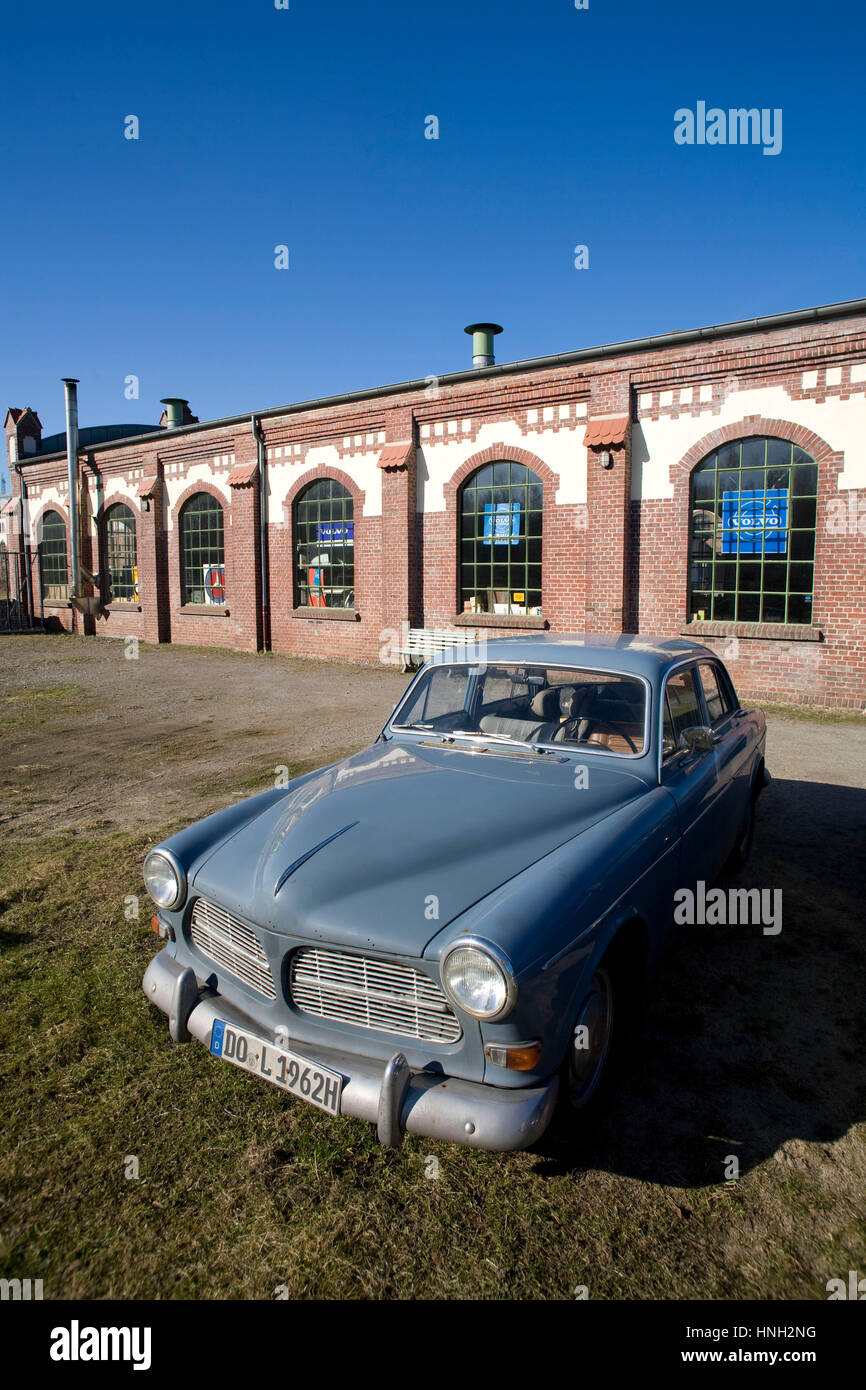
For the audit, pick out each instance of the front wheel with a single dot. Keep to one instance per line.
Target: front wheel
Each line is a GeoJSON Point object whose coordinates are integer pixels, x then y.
{"type": "Point", "coordinates": [590, 1044]}
{"type": "Point", "coordinates": [593, 1045]}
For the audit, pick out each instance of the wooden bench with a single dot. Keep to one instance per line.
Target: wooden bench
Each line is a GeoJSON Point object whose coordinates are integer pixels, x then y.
{"type": "Point", "coordinates": [418, 644]}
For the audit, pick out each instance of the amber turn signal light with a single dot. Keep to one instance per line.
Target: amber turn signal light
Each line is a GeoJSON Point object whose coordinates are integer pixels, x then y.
{"type": "Point", "coordinates": [514, 1056]}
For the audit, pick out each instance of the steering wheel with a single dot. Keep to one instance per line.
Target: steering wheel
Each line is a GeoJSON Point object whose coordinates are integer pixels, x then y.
{"type": "Point", "coordinates": [603, 724]}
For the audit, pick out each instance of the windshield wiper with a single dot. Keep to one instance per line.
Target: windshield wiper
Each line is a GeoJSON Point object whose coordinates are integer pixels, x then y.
{"type": "Point", "coordinates": [480, 734]}
{"type": "Point", "coordinates": [513, 746]}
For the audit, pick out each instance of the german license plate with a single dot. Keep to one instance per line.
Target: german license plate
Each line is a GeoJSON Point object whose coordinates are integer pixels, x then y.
{"type": "Point", "coordinates": [291, 1073]}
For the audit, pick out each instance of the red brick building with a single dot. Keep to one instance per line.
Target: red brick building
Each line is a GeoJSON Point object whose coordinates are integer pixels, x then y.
{"type": "Point", "coordinates": [709, 482]}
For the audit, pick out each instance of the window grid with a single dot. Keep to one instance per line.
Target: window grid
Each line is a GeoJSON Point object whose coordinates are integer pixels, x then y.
{"type": "Point", "coordinates": [766, 574]}
{"type": "Point", "coordinates": [52, 557]}
{"type": "Point", "coordinates": [501, 575]}
{"type": "Point", "coordinates": [120, 554]}
{"type": "Point", "coordinates": [202, 545]}
{"type": "Point", "coordinates": [325, 546]}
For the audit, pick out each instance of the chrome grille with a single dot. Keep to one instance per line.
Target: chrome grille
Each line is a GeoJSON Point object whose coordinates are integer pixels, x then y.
{"type": "Point", "coordinates": [371, 994]}
{"type": "Point", "coordinates": [229, 942]}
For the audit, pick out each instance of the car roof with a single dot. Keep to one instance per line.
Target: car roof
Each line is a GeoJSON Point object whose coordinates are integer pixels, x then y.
{"type": "Point", "coordinates": [641, 655]}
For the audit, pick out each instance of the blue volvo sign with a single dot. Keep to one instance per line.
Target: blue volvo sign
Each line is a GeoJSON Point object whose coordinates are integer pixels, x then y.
{"type": "Point", "coordinates": [758, 518]}
{"type": "Point", "coordinates": [335, 532]}
{"type": "Point", "coordinates": [501, 523]}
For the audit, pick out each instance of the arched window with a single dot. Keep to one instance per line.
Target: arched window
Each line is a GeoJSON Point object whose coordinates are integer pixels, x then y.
{"type": "Point", "coordinates": [121, 563]}
{"type": "Point", "coordinates": [202, 551]}
{"type": "Point", "coordinates": [325, 546]}
{"type": "Point", "coordinates": [500, 540]}
{"type": "Point", "coordinates": [52, 556]}
{"type": "Point", "coordinates": [752, 533]}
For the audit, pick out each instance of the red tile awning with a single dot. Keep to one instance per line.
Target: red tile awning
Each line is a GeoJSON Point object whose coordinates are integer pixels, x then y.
{"type": "Point", "coordinates": [243, 475]}
{"type": "Point", "coordinates": [396, 455]}
{"type": "Point", "coordinates": [147, 486]}
{"type": "Point", "coordinates": [611, 432]}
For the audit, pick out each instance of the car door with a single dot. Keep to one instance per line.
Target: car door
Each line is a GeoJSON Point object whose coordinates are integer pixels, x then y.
{"type": "Point", "coordinates": [692, 778]}
{"type": "Point", "coordinates": [731, 753]}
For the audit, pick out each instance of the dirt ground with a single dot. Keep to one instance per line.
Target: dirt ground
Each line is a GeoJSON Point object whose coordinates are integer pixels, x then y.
{"type": "Point", "coordinates": [754, 1045]}
{"type": "Point", "coordinates": [99, 740]}
{"type": "Point", "coordinates": [95, 739]}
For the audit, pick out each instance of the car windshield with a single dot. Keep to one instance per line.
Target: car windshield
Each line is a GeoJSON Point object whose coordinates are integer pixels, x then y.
{"type": "Point", "coordinates": [595, 710]}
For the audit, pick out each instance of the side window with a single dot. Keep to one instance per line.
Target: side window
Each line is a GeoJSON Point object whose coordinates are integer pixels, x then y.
{"type": "Point", "coordinates": [715, 693]}
{"type": "Point", "coordinates": [682, 708]}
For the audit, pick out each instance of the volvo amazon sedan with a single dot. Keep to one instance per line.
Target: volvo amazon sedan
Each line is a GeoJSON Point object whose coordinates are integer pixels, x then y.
{"type": "Point", "coordinates": [449, 934]}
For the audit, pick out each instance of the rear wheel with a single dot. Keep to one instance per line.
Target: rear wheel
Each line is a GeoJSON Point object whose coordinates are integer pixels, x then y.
{"type": "Point", "coordinates": [743, 846]}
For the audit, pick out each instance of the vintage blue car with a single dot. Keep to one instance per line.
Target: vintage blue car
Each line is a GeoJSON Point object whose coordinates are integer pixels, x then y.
{"type": "Point", "coordinates": [449, 934]}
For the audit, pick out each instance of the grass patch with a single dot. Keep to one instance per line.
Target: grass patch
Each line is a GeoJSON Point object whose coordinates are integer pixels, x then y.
{"type": "Point", "coordinates": [815, 714]}
{"type": "Point", "coordinates": [242, 1190]}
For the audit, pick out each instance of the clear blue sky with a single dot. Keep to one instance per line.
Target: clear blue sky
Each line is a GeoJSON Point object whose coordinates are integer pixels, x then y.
{"type": "Point", "coordinates": [260, 127]}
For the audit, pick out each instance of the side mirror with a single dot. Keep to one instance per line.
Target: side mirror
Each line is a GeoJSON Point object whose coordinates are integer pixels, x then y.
{"type": "Point", "coordinates": [698, 739]}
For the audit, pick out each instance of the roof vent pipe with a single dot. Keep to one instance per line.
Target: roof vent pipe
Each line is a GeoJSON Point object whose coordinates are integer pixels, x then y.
{"type": "Point", "coordinates": [71, 386]}
{"type": "Point", "coordinates": [482, 343]}
{"type": "Point", "coordinates": [173, 411]}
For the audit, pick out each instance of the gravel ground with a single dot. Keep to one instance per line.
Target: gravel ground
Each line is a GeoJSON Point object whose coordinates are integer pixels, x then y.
{"type": "Point", "coordinates": [99, 740]}
{"type": "Point", "coordinates": [753, 1049]}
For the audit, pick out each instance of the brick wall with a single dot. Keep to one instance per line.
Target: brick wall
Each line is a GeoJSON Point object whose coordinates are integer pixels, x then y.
{"type": "Point", "coordinates": [615, 540]}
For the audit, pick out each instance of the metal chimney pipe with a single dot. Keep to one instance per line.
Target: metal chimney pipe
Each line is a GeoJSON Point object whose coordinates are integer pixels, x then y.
{"type": "Point", "coordinates": [71, 385]}
{"type": "Point", "coordinates": [173, 411]}
{"type": "Point", "coordinates": [482, 335]}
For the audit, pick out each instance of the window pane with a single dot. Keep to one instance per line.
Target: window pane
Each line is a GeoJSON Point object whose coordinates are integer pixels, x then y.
{"type": "Point", "coordinates": [715, 694]}
{"type": "Point", "coordinates": [802, 545]}
{"type": "Point", "coordinates": [325, 546]}
{"type": "Point", "coordinates": [202, 551]}
{"type": "Point", "coordinates": [535, 704]}
{"type": "Point", "coordinates": [804, 482]}
{"type": "Point", "coordinates": [120, 555]}
{"type": "Point", "coordinates": [705, 483]}
{"type": "Point", "coordinates": [501, 506]}
{"type": "Point", "coordinates": [52, 556]}
{"type": "Point", "coordinates": [773, 609]}
{"type": "Point", "coordinates": [800, 608]}
{"type": "Point", "coordinates": [683, 703]}
{"type": "Point", "coordinates": [758, 534]}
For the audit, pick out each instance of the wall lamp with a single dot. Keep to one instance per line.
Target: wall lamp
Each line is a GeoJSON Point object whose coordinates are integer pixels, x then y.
{"type": "Point", "coordinates": [605, 458]}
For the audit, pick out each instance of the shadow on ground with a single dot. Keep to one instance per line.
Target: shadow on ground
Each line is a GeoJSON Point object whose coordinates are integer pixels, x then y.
{"type": "Point", "coordinates": [752, 1040]}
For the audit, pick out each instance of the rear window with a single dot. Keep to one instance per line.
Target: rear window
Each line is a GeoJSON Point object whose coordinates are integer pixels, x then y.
{"type": "Point", "coordinates": [595, 710]}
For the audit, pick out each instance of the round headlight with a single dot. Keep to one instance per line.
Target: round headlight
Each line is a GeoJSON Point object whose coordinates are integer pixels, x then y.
{"type": "Point", "coordinates": [164, 879]}
{"type": "Point", "coordinates": [477, 982]}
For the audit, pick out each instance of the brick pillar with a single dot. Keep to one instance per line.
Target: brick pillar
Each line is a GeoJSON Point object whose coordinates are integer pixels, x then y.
{"type": "Point", "coordinates": [608, 495]}
{"type": "Point", "coordinates": [399, 521]}
{"type": "Point", "coordinates": [243, 559]}
{"type": "Point", "coordinates": [152, 558]}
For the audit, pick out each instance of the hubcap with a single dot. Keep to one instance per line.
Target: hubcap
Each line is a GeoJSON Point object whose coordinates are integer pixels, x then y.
{"type": "Point", "coordinates": [590, 1040]}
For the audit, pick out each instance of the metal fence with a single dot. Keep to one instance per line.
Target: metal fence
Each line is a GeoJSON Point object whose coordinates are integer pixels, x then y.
{"type": "Point", "coordinates": [15, 614]}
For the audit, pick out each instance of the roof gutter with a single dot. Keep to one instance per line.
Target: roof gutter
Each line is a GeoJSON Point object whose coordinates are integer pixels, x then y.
{"type": "Point", "coordinates": [845, 308]}
{"type": "Point", "coordinates": [263, 532]}
{"type": "Point", "coordinates": [70, 384]}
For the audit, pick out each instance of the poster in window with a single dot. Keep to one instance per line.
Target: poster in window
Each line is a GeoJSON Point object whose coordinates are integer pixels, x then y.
{"type": "Point", "coordinates": [758, 518]}
{"type": "Point", "coordinates": [335, 532]}
{"type": "Point", "coordinates": [501, 523]}
{"type": "Point", "coordinates": [214, 583]}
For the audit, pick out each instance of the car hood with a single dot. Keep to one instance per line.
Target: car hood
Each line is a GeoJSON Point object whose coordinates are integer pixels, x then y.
{"type": "Point", "coordinates": [387, 847]}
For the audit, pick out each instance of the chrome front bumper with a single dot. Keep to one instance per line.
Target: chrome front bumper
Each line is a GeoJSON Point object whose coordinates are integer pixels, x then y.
{"type": "Point", "coordinates": [394, 1099]}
